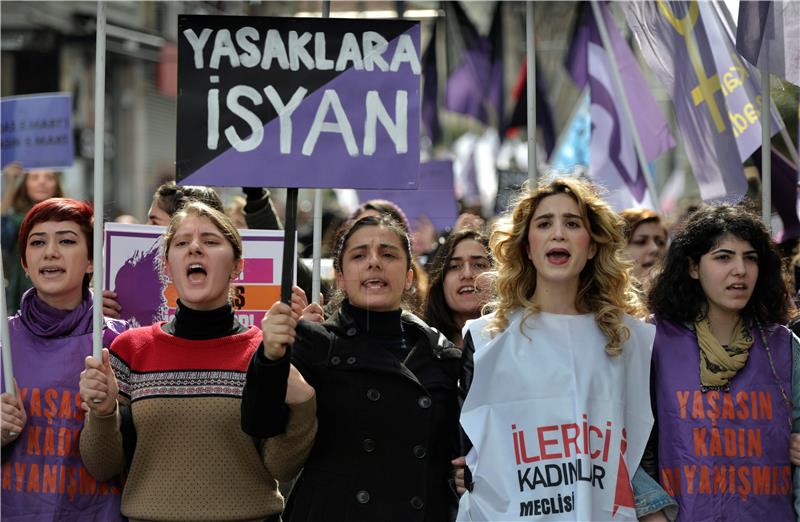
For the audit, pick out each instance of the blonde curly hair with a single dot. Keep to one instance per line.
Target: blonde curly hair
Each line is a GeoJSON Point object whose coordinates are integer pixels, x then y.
{"type": "Point", "coordinates": [605, 287]}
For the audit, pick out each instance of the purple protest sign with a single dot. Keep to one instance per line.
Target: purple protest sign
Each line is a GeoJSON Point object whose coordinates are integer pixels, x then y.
{"type": "Point", "coordinates": [134, 270]}
{"type": "Point", "coordinates": [37, 130]}
{"type": "Point", "coordinates": [296, 102]}
{"type": "Point", "coordinates": [435, 198]}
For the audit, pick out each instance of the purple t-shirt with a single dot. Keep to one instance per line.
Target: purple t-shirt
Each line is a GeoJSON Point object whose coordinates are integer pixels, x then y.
{"type": "Point", "coordinates": [43, 477]}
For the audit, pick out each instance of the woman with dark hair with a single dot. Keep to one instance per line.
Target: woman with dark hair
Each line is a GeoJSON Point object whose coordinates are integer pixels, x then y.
{"type": "Point", "coordinates": [415, 297]}
{"type": "Point", "coordinates": [725, 385]}
{"type": "Point", "coordinates": [647, 241]}
{"type": "Point", "coordinates": [386, 384]}
{"type": "Point", "coordinates": [22, 191]}
{"type": "Point", "coordinates": [183, 381]}
{"type": "Point", "coordinates": [456, 294]}
{"type": "Point", "coordinates": [43, 476]}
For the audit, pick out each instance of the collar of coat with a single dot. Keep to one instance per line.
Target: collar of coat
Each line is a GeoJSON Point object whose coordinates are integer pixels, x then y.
{"type": "Point", "coordinates": [342, 324]}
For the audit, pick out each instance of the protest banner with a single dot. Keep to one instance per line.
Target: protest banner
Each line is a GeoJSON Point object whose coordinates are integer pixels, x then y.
{"type": "Point", "coordinates": [37, 130]}
{"type": "Point", "coordinates": [435, 198]}
{"type": "Point", "coordinates": [134, 259]}
{"type": "Point", "coordinates": [283, 102]}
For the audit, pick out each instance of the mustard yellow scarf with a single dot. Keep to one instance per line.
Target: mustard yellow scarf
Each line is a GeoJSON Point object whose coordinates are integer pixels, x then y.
{"type": "Point", "coordinates": [719, 364]}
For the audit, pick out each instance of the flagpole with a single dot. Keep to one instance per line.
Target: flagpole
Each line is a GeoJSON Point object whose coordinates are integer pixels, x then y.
{"type": "Point", "coordinates": [317, 248]}
{"type": "Point", "coordinates": [99, 159]}
{"type": "Point", "coordinates": [8, 369]}
{"type": "Point", "coordinates": [766, 146]}
{"type": "Point", "coordinates": [601, 26]}
{"type": "Point", "coordinates": [533, 170]}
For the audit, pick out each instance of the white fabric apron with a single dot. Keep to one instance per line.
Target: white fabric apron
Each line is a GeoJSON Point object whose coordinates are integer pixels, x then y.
{"type": "Point", "coordinates": [549, 415]}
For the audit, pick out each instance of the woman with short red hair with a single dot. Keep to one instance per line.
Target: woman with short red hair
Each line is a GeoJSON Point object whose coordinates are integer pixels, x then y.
{"type": "Point", "coordinates": [50, 336]}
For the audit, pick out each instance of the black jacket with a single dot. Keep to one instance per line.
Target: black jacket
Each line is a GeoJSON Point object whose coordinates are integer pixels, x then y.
{"type": "Point", "coordinates": [387, 429]}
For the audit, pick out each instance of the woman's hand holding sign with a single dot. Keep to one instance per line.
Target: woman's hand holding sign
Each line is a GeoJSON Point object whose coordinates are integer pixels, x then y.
{"type": "Point", "coordinates": [278, 327]}
{"type": "Point", "coordinates": [98, 386]}
{"type": "Point", "coordinates": [279, 324]}
{"type": "Point", "coordinates": [13, 418]}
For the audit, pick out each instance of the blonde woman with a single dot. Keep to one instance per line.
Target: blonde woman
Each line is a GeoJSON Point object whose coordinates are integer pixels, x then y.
{"type": "Point", "coordinates": [557, 405]}
{"type": "Point", "coordinates": [183, 380]}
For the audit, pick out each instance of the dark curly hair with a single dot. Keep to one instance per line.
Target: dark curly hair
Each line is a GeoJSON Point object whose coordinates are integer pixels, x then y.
{"type": "Point", "coordinates": [676, 296]}
{"type": "Point", "coordinates": [437, 313]}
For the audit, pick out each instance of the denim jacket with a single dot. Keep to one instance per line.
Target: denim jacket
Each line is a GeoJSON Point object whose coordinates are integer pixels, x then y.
{"type": "Point", "coordinates": [650, 496]}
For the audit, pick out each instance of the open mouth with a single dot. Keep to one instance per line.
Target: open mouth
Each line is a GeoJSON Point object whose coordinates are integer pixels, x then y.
{"type": "Point", "coordinates": [196, 272]}
{"type": "Point", "coordinates": [558, 256]}
{"type": "Point", "coordinates": [467, 290]}
{"type": "Point", "coordinates": [50, 271]}
{"type": "Point", "coordinates": [738, 287]}
{"type": "Point", "coordinates": [374, 284]}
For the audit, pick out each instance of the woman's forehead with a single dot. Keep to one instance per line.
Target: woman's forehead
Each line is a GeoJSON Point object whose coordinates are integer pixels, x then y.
{"type": "Point", "coordinates": [557, 203]}
{"type": "Point", "coordinates": [192, 222]}
{"type": "Point", "coordinates": [54, 225]}
{"type": "Point", "coordinates": [373, 234]}
{"type": "Point", "coordinates": [468, 247]}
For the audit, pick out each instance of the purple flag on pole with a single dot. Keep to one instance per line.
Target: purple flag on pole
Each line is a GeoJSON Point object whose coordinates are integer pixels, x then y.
{"type": "Point", "coordinates": [613, 160]}
{"type": "Point", "coordinates": [430, 91]}
{"type": "Point", "coordinates": [715, 94]}
{"type": "Point", "coordinates": [768, 36]}
{"type": "Point", "coordinates": [475, 62]}
{"type": "Point", "coordinates": [784, 192]}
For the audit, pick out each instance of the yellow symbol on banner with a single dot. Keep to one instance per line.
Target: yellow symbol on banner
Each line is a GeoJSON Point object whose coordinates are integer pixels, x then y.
{"type": "Point", "coordinates": [707, 87]}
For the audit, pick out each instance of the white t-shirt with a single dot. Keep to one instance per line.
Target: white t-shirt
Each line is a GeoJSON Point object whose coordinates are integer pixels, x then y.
{"type": "Point", "coordinates": [547, 412]}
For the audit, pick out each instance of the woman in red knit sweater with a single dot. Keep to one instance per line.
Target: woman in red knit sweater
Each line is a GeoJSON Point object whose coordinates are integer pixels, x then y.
{"type": "Point", "coordinates": [184, 380]}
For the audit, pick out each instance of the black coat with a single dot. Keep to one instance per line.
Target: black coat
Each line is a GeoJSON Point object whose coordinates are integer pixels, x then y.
{"type": "Point", "coordinates": [387, 429]}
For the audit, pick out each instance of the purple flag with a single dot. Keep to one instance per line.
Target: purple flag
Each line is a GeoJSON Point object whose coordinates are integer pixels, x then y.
{"type": "Point", "coordinates": [715, 94]}
{"type": "Point", "coordinates": [768, 36]}
{"type": "Point", "coordinates": [475, 64]}
{"type": "Point", "coordinates": [784, 191]}
{"type": "Point", "coordinates": [613, 160]}
{"type": "Point", "coordinates": [430, 91]}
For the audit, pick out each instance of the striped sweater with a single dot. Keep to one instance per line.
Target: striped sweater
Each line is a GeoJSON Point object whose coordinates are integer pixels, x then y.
{"type": "Point", "coordinates": [192, 460]}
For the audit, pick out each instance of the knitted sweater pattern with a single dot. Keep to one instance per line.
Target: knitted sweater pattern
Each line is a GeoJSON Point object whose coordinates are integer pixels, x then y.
{"type": "Point", "coordinates": [192, 460]}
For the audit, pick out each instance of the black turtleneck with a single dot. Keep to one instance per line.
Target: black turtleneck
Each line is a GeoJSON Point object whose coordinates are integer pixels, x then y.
{"type": "Point", "coordinates": [385, 327]}
{"type": "Point", "coordinates": [198, 325]}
